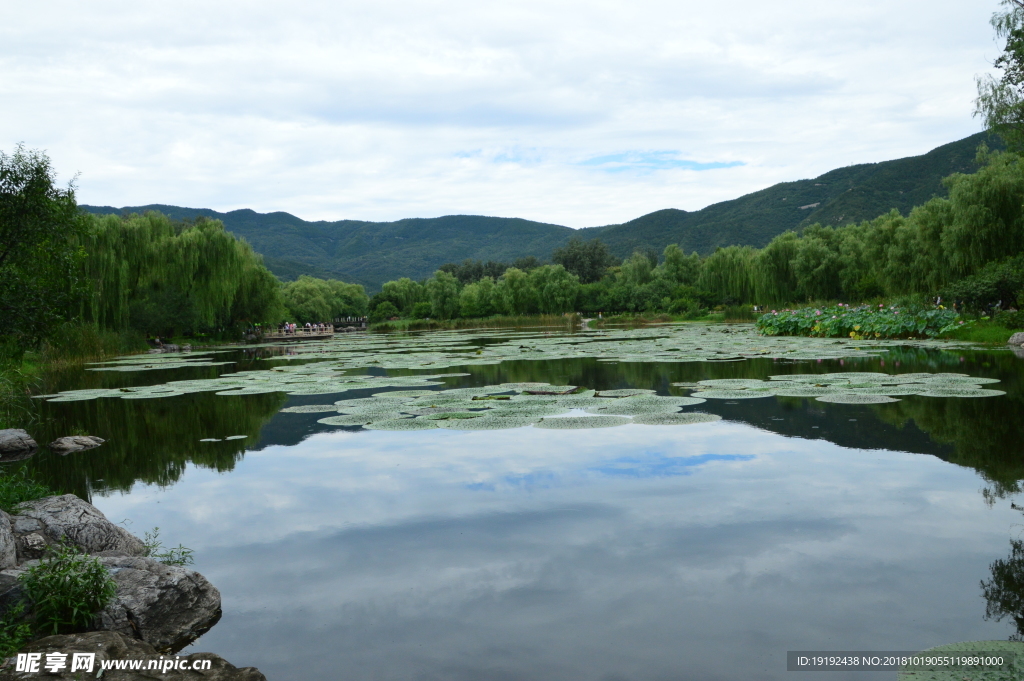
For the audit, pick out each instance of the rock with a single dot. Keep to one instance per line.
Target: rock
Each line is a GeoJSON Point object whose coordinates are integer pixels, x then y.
{"type": "Point", "coordinates": [16, 444]}
{"type": "Point", "coordinates": [8, 545]}
{"type": "Point", "coordinates": [109, 645]}
{"type": "Point", "coordinates": [69, 518]}
{"type": "Point", "coordinates": [74, 443]}
{"type": "Point", "coordinates": [1017, 339]}
{"type": "Point", "coordinates": [166, 606]}
{"type": "Point", "coordinates": [1019, 351]}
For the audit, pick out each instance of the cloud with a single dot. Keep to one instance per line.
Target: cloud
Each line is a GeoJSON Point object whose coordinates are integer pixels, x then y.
{"type": "Point", "coordinates": [361, 110]}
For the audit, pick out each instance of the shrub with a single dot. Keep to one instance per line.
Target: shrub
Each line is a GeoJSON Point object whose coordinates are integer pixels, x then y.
{"type": "Point", "coordinates": [68, 589]}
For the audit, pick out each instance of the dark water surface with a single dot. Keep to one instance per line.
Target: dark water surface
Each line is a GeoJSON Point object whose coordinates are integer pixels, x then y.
{"type": "Point", "coordinates": [639, 552]}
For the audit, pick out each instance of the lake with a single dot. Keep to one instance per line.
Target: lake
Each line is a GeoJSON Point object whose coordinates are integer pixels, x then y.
{"type": "Point", "coordinates": [701, 549]}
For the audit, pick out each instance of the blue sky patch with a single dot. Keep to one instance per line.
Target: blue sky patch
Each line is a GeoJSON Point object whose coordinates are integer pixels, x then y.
{"type": "Point", "coordinates": [649, 161]}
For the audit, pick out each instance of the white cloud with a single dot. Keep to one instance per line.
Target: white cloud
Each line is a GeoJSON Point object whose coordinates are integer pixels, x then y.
{"type": "Point", "coordinates": [415, 109]}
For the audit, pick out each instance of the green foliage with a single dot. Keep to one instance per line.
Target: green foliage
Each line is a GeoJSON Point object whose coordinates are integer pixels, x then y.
{"type": "Point", "coordinates": [75, 343]}
{"type": "Point", "coordinates": [403, 294]}
{"type": "Point", "coordinates": [997, 284]}
{"type": "Point", "coordinates": [555, 289]}
{"type": "Point", "coordinates": [15, 631]}
{"type": "Point", "coordinates": [178, 555]}
{"type": "Point", "coordinates": [470, 270]}
{"type": "Point", "coordinates": [587, 260]}
{"type": "Point", "coordinates": [68, 589]}
{"type": "Point", "coordinates": [1000, 103]}
{"type": "Point", "coordinates": [16, 488]}
{"type": "Point", "coordinates": [513, 294]}
{"type": "Point", "coordinates": [443, 292]}
{"type": "Point", "coordinates": [859, 322]}
{"type": "Point", "coordinates": [320, 301]}
{"type": "Point", "coordinates": [477, 299]}
{"type": "Point", "coordinates": [384, 310]}
{"type": "Point", "coordinates": [156, 276]}
{"type": "Point", "coordinates": [38, 254]}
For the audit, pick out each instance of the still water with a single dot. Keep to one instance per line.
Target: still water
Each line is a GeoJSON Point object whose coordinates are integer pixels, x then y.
{"type": "Point", "coordinates": [701, 551]}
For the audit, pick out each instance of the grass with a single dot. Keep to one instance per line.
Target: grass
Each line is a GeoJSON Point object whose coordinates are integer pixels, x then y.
{"type": "Point", "coordinates": [17, 488]}
{"type": "Point", "coordinates": [179, 555]}
{"type": "Point", "coordinates": [75, 344]}
{"type": "Point", "coordinates": [982, 331]}
{"type": "Point", "coordinates": [67, 590]}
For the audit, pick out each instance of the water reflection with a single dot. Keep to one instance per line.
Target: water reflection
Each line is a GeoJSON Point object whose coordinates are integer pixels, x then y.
{"type": "Point", "coordinates": [526, 554]}
{"type": "Point", "coordinates": [1004, 591]}
{"type": "Point", "coordinates": [624, 553]}
{"type": "Point", "coordinates": [151, 440]}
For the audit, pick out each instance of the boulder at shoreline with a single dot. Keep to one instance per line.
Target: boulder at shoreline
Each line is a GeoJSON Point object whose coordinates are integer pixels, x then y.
{"type": "Point", "coordinates": [67, 518]}
{"type": "Point", "coordinates": [166, 606]}
{"type": "Point", "coordinates": [1017, 339]}
{"type": "Point", "coordinates": [16, 444]}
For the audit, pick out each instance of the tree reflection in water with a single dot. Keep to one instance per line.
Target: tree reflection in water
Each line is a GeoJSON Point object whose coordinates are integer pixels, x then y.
{"type": "Point", "coordinates": [1004, 593]}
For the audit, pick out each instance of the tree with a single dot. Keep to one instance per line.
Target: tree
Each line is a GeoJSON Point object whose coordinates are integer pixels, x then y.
{"type": "Point", "coordinates": [588, 260]}
{"type": "Point", "coordinates": [1000, 103]}
{"type": "Point", "coordinates": [39, 224]}
{"type": "Point", "coordinates": [321, 300]}
{"type": "Point", "coordinates": [476, 299]}
{"type": "Point", "coordinates": [678, 267]}
{"type": "Point", "coordinates": [443, 291]}
{"type": "Point", "coordinates": [513, 295]}
{"type": "Point", "coordinates": [555, 288]}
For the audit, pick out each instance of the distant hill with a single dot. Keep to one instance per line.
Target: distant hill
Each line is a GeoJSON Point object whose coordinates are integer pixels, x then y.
{"type": "Point", "coordinates": [371, 253]}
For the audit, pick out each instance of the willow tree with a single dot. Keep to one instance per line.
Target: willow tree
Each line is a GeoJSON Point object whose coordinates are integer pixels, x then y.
{"type": "Point", "coordinates": [1000, 103]}
{"type": "Point", "coordinates": [158, 276]}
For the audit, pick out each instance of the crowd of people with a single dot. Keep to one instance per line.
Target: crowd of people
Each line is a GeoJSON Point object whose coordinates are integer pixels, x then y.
{"type": "Point", "coordinates": [308, 329]}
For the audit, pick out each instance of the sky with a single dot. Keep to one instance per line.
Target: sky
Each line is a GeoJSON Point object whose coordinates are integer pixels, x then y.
{"type": "Point", "coordinates": [569, 112]}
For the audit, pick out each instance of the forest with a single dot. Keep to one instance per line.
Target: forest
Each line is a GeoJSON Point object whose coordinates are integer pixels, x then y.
{"type": "Point", "coordinates": [966, 249]}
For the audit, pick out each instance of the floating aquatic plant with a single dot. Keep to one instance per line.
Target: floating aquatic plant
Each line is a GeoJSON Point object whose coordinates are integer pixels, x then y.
{"type": "Point", "coordinates": [850, 398]}
{"type": "Point", "coordinates": [678, 419]}
{"type": "Point", "coordinates": [310, 409]}
{"type": "Point", "coordinates": [579, 422]}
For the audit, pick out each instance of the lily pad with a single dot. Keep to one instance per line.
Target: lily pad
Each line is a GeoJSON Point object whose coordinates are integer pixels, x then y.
{"type": "Point", "coordinates": [716, 394]}
{"type": "Point", "coordinates": [310, 409]}
{"type": "Point", "coordinates": [678, 419]}
{"type": "Point", "coordinates": [852, 398]}
{"type": "Point", "coordinates": [402, 424]}
{"type": "Point", "coordinates": [579, 422]}
{"type": "Point", "coordinates": [625, 392]}
{"type": "Point", "coordinates": [487, 423]}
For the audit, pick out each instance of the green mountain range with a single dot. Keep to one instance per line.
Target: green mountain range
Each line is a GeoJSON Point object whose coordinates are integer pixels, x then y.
{"type": "Point", "coordinates": [371, 253]}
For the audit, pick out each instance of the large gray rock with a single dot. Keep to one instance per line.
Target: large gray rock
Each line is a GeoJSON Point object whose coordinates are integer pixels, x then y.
{"type": "Point", "coordinates": [74, 443]}
{"type": "Point", "coordinates": [16, 444]}
{"type": "Point", "coordinates": [109, 645]}
{"type": "Point", "coordinates": [67, 518]}
{"type": "Point", "coordinates": [8, 548]}
{"type": "Point", "coordinates": [166, 606]}
{"type": "Point", "coordinates": [1017, 339]}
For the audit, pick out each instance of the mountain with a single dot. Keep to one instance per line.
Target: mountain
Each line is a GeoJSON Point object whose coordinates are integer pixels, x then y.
{"type": "Point", "coordinates": [371, 253]}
